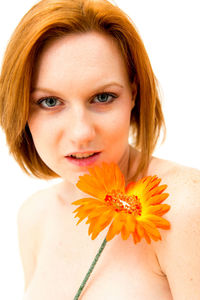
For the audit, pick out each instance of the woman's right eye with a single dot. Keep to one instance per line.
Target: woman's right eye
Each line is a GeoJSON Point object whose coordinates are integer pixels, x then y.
{"type": "Point", "coordinates": [49, 102]}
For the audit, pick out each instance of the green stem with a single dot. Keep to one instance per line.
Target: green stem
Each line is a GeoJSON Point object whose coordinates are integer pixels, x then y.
{"type": "Point", "coordinates": [90, 270]}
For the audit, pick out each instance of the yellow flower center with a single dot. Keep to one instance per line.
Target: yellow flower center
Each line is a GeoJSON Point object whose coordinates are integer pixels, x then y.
{"type": "Point", "coordinates": [121, 202]}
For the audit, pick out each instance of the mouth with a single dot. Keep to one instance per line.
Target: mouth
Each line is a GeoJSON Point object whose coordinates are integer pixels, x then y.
{"type": "Point", "coordinates": [83, 159]}
{"type": "Point", "coordinates": [82, 155]}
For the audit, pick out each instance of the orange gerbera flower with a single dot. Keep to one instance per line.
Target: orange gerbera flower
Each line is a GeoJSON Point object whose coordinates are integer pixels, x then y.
{"type": "Point", "coordinates": [135, 209]}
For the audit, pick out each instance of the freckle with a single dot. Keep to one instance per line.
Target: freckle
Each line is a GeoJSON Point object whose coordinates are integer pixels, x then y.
{"type": "Point", "coordinates": [195, 181]}
{"type": "Point", "coordinates": [61, 200]}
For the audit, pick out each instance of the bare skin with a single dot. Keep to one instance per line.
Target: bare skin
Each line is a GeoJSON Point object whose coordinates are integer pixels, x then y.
{"type": "Point", "coordinates": [56, 253]}
{"type": "Point", "coordinates": [62, 252]}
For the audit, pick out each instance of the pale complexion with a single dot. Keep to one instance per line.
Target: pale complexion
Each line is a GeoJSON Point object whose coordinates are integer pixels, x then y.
{"type": "Point", "coordinates": [55, 253]}
{"type": "Point", "coordinates": [90, 105]}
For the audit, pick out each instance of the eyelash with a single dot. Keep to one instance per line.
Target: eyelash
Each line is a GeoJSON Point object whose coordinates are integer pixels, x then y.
{"type": "Point", "coordinates": [107, 94]}
{"type": "Point", "coordinates": [41, 101]}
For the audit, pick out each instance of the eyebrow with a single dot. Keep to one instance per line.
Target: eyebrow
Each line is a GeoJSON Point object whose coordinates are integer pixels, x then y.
{"type": "Point", "coordinates": [47, 90]}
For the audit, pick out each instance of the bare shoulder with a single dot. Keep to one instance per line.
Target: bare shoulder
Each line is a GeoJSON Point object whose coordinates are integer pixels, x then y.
{"type": "Point", "coordinates": [36, 205]}
{"type": "Point", "coordinates": [175, 175]}
{"type": "Point", "coordinates": [30, 218]}
{"type": "Point", "coordinates": [178, 252]}
{"type": "Point", "coordinates": [185, 183]}
{"type": "Point", "coordinates": [31, 215]}
{"type": "Point", "coordinates": [183, 186]}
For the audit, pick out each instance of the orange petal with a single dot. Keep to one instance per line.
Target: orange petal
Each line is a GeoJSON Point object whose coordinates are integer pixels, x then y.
{"type": "Point", "coordinates": [147, 238]}
{"type": "Point", "coordinates": [158, 210]}
{"type": "Point", "coordinates": [147, 180]}
{"type": "Point", "coordinates": [102, 176]}
{"type": "Point", "coordinates": [110, 176]}
{"type": "Point", "coordinates": [84, 201]}
{"type": "Point", "coordinates": [157, 199]}
{"type": "Point", "coordinates": [98, 212]}
{"type": "Point", "coordinates": [139, 188]}
{"type": "Point", "coordinates": [135, 188]}
{"type": "Point", "coordinates": [136, 237]}
{"type": "Point", "coordinates": [125, 232]}
{"type": "Point", "coordinates": [153, 184]}
{"type": "Point", "coordinates": [159, 221]}
{"type": "Point", "coordinates": [101, 224]}
{"type": "Point", "coordinates": [129, 226]}
{"type": "Point", "coordinates": [85, 208]}
{"type": "Point", "coordinates": [91, 226]}
{"type": "Point", "coordinates": [119, 180]}
{"type": "Point", "coordinates": [156, 191]}
{"type": "Point", "coordinates": [131, 223]}
{"type": "Point", "coordinates": [140, 230]}
{"type": "Point", "coordinates": [102, 180]}
{"type": "Point", "coordinates": [91, 186]}
{"type": "Point", "coordinates": [115, 227]}
{"type": "Point", "coordinates": [150, 228]}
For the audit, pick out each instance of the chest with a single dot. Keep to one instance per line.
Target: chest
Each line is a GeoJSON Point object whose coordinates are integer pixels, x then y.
{"type": "Point", "coordinates": [124, 270]}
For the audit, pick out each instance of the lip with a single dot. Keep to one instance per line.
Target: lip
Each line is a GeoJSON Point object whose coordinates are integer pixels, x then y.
{"type": "Point", "coordinates": [82, 152]}
{"type": "Point", "coordinates": [83, 162]}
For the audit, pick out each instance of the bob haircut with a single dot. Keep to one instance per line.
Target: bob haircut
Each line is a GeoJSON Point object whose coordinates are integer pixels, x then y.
{"type": "Point", "coordinates": [53, 19]}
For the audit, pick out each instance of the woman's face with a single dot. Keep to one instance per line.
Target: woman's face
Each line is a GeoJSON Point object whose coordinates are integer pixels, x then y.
{"type": "Point", "coordinates": [81, 101]}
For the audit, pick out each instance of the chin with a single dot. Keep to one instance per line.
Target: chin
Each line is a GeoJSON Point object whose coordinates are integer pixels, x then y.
{"type": "Point", "coordinates": [73, 177]}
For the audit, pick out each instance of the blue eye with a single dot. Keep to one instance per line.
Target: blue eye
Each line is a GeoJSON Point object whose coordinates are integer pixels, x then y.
{"type": "Point", "coordinates": [105, 98]}
{"type": "Point", "coordinates": [49, 102]}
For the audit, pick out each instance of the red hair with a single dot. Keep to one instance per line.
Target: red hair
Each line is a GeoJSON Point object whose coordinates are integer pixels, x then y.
{"type": "Point", "coordinates": [51, 19]}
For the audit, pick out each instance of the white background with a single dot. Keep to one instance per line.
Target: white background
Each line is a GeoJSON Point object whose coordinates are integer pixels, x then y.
{"type": "Point", "coordinates": [171, 33]}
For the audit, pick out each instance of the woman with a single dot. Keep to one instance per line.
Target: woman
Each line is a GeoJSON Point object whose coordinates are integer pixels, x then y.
{"type": "Point", "coordinates": [75, 79]}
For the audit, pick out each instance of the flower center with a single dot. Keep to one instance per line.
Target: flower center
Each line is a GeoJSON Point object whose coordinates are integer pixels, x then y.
{"type": "Point", "coordinates": [122, 202]}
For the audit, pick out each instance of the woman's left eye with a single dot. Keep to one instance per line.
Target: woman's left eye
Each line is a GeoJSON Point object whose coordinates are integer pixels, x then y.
{"type": "Point", "coordinates": [104, 98]}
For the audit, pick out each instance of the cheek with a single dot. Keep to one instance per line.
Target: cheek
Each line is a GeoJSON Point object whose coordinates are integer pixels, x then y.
{"type": "Point", "coordinates": [117, 124]}
{"type": "Point", "coordinates": [115, 138]}
{"type": "Point", "coordinates": [43, 133]}
{"type": "Point", "coordinates": [44, 138]}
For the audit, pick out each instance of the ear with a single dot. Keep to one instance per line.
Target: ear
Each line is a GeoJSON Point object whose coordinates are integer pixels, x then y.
{"type": "Point", "coordinates": [134, 93]}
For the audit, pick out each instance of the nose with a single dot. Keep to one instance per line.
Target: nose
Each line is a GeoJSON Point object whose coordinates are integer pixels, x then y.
{"type": "Point", "coordinates": [82, 129]}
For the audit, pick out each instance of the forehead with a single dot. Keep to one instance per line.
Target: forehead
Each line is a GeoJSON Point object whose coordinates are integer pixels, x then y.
{"type": "Point", "coordinates": [93, 54]}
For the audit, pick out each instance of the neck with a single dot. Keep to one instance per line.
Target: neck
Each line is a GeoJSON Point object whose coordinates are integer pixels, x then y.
{"type": "Point", "coordinates": [131, 165]}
